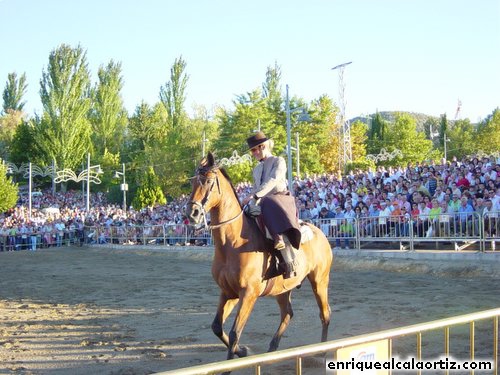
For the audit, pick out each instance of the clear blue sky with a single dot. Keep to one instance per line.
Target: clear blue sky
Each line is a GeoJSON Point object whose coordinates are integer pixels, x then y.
{"type": "Point", "coordinates": [408, 55]}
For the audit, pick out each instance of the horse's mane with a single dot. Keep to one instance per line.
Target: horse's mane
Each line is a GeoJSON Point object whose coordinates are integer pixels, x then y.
{"type": "Point", "coordinates": [226, 175]}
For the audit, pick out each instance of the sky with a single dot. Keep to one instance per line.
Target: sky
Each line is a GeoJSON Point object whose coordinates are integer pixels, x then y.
{"type": "Point", "coordinates": [421, 56]}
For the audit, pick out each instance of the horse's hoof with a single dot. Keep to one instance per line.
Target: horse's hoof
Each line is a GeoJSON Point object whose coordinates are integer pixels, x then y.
{"type": "Point", "coordinates": [243, 352]}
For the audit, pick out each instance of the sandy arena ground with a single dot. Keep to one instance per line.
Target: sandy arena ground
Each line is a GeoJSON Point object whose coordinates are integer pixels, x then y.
{"type": "Point", "coordinates": [132, 311]}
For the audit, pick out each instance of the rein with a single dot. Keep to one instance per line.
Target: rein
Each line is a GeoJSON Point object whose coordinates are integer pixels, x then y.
{"type": "Point", "coordinates": [216, 226]}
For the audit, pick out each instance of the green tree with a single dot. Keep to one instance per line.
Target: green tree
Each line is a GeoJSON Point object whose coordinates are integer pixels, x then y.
{"type": "Point", "coordinates": [403, 135]}
{"type": "Point", "coordinates": [149, 192]}
{"type": "Point", "coordinates": [146, 127]}
{"type": "Point", "coordinates": [325, 113]}
{"type": "Point", "coordinates": [173, 94]}
{"type": "Point", "coordinates": [15, 89]}
{"type": "Point", "coordinates": [462, 139]}
{"type": "Point", "coordinates": [179, 150]}
{"type": "Point", "coordinates": [23, 148]}
{"type": "Point", "coordinates": [108, 115]}
{"type": "Point", "coordinates": [359, 136]}
{"type": "Point", "coordinates": [377, 134]}
{"type": "Point", "coordinates": [314, 135]}
{"type": "Point", "coordinates": [8, 190]}
{"type": "Point", "coordinates": [488, 133]}
{"type": "Point", "coordinates": [64, 130]}
{"type": "Point", "coordinates": [9, 123]}
{"type": "Point", "coordinates": [272, 88]}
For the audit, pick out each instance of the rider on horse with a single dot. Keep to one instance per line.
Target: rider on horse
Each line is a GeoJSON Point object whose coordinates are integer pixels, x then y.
{"type": "Point", "coordinates": [277, 204]}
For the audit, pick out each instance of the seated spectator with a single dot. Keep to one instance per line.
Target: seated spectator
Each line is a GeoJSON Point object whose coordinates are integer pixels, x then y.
{"type": "Point", "coordinates": [463, 218]}
{"type": "Point", "coordinates": [346, 230]}
{"type": "Point", "coordinates": [384, 214]}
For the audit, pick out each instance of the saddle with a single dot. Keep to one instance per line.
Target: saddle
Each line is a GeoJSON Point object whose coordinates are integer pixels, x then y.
{"type": "Point", "coordinates": [277, 263]}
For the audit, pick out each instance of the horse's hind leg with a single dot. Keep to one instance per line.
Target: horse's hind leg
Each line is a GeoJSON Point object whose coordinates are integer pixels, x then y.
{"type": "Point", "coordinates": [320, 289]}
{"type": "Point", "coordinates": [224, 309]}
{"type": "Point", "coordinates": [284, 302]}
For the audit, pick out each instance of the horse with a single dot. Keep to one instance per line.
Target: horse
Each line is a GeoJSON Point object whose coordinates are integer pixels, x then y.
{"type": "Point", "coordinates": [242, 258]}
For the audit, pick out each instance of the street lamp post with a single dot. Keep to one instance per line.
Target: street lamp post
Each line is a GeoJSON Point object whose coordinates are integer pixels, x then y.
{"type": "Point", "coordinates": [29, 191]}
{"type": "Point", "coordinates": [89, 175]}
{"type": "Point", "coordinates": [89, 168]}
{"type": "Point", "coordinates": [445, 140]}
{"type": "Point", "coordinates": [303, 117]}
{"type": "Point", "coordinates": [124, 186]}
{"type": "Point", "coordinates": [297, 153]}
{"type": "Point", "coordinates": [288, 141]}
{"type": "Point", "coordinates": [28, 171]}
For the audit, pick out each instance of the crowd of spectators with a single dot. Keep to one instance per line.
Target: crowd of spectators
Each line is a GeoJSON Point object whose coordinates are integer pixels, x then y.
{"type": "Point", "coordinates": [459, 187]}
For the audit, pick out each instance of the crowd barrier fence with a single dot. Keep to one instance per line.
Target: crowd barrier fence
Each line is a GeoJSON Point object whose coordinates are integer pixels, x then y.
{"type": "Point", "coordinates": [461, 230]}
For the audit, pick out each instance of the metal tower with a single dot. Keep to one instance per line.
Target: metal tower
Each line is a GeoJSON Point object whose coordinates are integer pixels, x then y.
{"type": "Point", "coordinates": [345, 141]}
{"type": "Point", "coordinates": [459, 106]}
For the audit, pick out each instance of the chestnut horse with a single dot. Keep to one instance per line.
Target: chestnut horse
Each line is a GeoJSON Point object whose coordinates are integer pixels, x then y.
{"type": "Point", "coordinates": [241, 259]}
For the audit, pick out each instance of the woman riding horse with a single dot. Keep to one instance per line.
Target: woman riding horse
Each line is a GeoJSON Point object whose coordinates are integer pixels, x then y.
{"type": "Point", "coordinates": [242, 259]}
{"type": "Point", "coordinates": [270, 192]}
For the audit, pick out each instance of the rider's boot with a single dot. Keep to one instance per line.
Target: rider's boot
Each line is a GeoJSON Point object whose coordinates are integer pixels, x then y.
{"type": "Point", "coordinates": [290, 261]}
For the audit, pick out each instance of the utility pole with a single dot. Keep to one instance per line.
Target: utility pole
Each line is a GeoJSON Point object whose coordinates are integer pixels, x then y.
{"type": "Point", "coordinates": [345, 140]}
{"type": "Point", "coordinates": [298, 153]}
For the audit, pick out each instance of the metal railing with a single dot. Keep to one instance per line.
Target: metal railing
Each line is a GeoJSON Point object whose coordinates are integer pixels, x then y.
{"type": "Point", "coordinates": [168, 234]}
{"type": "Point", "coordinates": [461, 230]}
{"type": "Point", "coordinates": [299, 353]}
{"type": "Point", "coordinates": [40, 239]}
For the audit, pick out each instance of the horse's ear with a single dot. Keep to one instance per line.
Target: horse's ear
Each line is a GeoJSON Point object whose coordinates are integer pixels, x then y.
{"type": "Point", "coordinates": [210, 159]}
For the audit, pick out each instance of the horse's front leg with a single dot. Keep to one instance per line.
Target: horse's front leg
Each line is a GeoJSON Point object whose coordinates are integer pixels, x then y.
{"type": "Point", "coordinates": [226, 305]}
{"type": "Point", "coordinates": [248, 297]}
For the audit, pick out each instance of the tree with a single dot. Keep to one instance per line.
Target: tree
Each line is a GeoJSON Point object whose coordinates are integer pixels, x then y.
{"type": "Point", "coordinates": [463, 140]}
{"type": "Point", "coordinates": [22, 147]}
{"type": "Point", "coordinates": [14, 91]}
{"type": "Point", "coordinates": [488, 133]}
{"type": "Point", "coordinates": [403, 136]}
{"type": "Point", "coordinates": [179, 149]}
{"type": "Point", "coordinates": [63, 132]}
{"type": "Point", "coordinates": [325, 113]}
{"type": "Point", "coordinates": [146, 127]}
{"type": "Point", "coordinates": [9, 123]}
{"type": "Point", "coordinates": [315, 137]}
{"type": "Point", "coordinates": [359, 135]}
{"type": "Point", "coordinates": [108, 115]}
{"type": "Point", "coordinates": [377, 134]}
{"type": "Point", "coordinates": [272, 89]}
{"type": "Point", "coordinates": [8, 190]}
{"type": "Point", "coordinates": [173, 95]}
{"type": "Point", "coordinates": [149, 192]}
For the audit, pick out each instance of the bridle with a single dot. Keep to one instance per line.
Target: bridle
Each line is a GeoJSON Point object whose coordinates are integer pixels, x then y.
{"type": "Point", "coordinates": [201, 205]}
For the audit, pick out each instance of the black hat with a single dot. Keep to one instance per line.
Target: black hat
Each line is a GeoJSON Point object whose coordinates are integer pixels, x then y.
{"type": "Point", "coordinates": [256, 140]}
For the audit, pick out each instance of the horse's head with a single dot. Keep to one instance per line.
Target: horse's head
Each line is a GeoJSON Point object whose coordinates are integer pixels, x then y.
{"type": "Point", "coordinates": [205, 192]}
